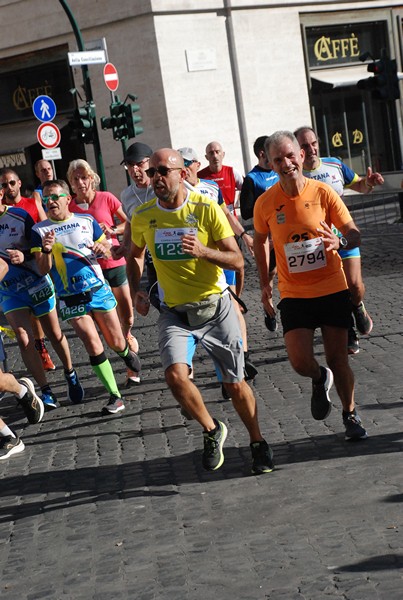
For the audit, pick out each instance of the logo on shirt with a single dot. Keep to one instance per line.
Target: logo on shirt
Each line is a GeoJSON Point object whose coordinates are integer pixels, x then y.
{"type": "Point", "coordinates": [280, 217]}
{"type": "Point", "coordinates": [191, 220]}
{"type": "Point", "coordinates": [280, 207]}
{"type": "Point", "coordinates": [152, 224]}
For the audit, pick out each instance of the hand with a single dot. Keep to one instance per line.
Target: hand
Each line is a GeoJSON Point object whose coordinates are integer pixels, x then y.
{"type": "Point", "coordinates": [142, 303]}
{"type": "Point", "coordinates": [118, 251]}
{"type": "Point", "coordinates": [16, 256]}
{"type": "Point", "coordinates": [192, 245]}
{"type": "Point", "coordinates": [100, 250]}
{"type": "Point", "coordinates": [330, 239]}
{"type": "Point", "coordinates": [248, 239]}
{"type": "Point", "coordinates": [372, 179]}
{"type": "Point", "coordinates": [266, 298]}
{"type": "Point", "coordinates": [48, 240]}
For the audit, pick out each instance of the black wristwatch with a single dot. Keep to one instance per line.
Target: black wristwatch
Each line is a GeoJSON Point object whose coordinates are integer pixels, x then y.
{"type": "Point", "coordinates": [343, 242]}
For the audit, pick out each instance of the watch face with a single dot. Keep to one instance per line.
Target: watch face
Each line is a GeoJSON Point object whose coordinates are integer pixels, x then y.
{"type": "Point", "coordinates": [343, 242]}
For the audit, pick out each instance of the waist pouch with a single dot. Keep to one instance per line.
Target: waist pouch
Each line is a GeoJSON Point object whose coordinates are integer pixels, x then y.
{"type": "Point", "coordinates": [196, 314]}
{"type": "Point", "coordinates": [81, 298]}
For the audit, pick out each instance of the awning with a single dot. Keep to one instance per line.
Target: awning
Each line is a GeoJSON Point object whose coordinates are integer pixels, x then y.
{"type": "Point", "coordinates": [340, 77]}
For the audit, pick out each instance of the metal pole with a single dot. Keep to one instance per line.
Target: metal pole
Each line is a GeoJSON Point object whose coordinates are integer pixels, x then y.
{"type": "Point", "coordinates": [88, 94]}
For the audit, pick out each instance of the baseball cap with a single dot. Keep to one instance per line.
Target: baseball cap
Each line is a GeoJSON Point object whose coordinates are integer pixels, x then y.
{"type": "Point", "coordinates": [188, 154]}
{"type": "Point", "coordinates": [137, 152]}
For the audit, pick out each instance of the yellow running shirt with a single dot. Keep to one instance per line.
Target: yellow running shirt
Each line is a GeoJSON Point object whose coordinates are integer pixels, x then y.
{"type": "Point", "coordinates": [181, 277]}
{"type": "Point", "coordinates": [305, 268]}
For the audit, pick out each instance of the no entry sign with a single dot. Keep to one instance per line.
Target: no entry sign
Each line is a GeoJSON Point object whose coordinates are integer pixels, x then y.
{"type": "Point", "coordinates": [111, 77]}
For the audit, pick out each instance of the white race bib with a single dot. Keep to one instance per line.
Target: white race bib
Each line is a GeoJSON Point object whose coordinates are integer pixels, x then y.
{"type": "Point", "coordinates": [168, 243]}
{"type": "Point", "coordinates": [308, 255]}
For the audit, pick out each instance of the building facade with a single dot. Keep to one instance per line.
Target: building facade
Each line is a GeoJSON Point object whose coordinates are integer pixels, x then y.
{"type": "Point", "coordinates": [203, 70]}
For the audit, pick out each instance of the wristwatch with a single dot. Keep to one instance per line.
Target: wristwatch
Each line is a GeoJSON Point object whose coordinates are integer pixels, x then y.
{"type": "Point", "coordinates": [343, 242]}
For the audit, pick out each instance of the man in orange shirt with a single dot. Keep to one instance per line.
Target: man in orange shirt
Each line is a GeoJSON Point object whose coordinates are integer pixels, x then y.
{"type": "Point", "coordinates": [298, 213]}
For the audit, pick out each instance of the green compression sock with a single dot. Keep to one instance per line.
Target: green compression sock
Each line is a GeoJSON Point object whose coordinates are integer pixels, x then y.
{"type": "Point", "coordinates": [103, 370]}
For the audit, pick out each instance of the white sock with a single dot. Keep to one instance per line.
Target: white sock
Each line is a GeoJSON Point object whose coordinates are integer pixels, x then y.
{"type": "Point", "coordinates": [6, 431]}
{"type": "Point", "coordinates": [22, 391]}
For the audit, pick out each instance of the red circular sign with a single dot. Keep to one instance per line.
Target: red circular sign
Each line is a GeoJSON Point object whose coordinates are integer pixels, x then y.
{"type": "Point", "coordinates": [48, 135]}
{"type": "Point", "coordinates": [111, 77]}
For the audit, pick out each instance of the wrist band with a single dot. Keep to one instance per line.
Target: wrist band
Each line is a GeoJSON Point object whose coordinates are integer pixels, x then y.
{"type": "Point", "coordinates": [46, 251]}
{"type": "Point", "coordinates": [242, 234]}
{"type": "Point", "coordinates": [369, 186]}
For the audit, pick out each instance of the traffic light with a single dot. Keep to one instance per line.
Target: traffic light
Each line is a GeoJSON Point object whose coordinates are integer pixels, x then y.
{"type": "Point", "coordinates": [132, 119]}
{"type": "Point", "coordinates": [123, 120]}
{"type": "Point", "coordinates": [384, 85]}
{"type": "Point", "coordinates": [83, 122]}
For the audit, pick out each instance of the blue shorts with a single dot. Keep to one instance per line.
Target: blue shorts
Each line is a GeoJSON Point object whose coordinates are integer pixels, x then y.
{"type": "Point", "coordinates": [39, 298]}
{"type": "Point", "coordinates": [230, 277]}
{"type": "Point", "coordinates": [353, 253]}
{"type": "Point", "coordinates": [102, 300]}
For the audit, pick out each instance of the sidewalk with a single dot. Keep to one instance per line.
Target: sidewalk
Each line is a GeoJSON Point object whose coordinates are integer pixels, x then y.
{"type": "Point", "coordinates": [102, 507]}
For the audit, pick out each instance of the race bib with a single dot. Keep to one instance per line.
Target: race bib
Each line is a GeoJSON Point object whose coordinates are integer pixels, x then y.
{"type": "Point", "coordinates": [40, 292]}
{"type": "Point", "coordinates": [168, 243]}
{"type": "Point", "coordinates": [69, 312]}
{"type": "Point", "coordinates": [308, 255]}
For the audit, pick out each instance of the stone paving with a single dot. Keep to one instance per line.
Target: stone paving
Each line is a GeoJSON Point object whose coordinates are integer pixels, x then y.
{"type": "Point", "coordinates": [102, 507]}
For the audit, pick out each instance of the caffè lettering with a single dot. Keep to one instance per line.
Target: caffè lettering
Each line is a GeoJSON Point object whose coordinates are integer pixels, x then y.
{"type": "Point", "coordinates": [23, 98]}
{"type": "Point", "coordinates": [326, 48]}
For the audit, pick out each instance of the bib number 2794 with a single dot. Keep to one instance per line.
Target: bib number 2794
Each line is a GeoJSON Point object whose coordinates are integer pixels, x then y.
{"type": "Point", "coordinates": [305, 256]}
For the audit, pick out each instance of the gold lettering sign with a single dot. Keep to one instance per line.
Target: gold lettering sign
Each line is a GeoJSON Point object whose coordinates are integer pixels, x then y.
{"type": "Point", "coordinates": [23, 98]}
{"type": "Point", "coordinates": [337, 140]}
{"type": "Point", "coordinates": [358, 136]}
{"type": "Point", "coordinates": [326, 48]}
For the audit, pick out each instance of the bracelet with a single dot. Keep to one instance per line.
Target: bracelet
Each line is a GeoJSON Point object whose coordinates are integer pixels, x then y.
{"type": "Point", "coordinates": [369, 186]}
{"type": "Point", "coordinates": [46, 251]}
{"type": "Point", "coordinates": [242, 234]}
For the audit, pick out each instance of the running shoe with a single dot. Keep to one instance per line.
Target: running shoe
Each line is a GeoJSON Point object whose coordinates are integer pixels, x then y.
{"type": "Point", "coordinates": [213, 456]}
{"type": "Point", "coordinates": [47, 362]}
{"type": "Point", "coordinates": [250, 371]}
{"type": "Point", "coordinates": [9, 446]}
{"type": "Point", "coordinates": [353, 345]}
{"type": "Point", "coordinates": [320, 401]}
{"type": "Point", "coordinates": [76, 391]}
{"type": "Point", "coordinates": [270, 322]}
{"type": "Point", "coordinates": [114, 405]}
{"type": "Point", "coordinates": [226, 395]}
{"type": "Point", "coordinates": [262, 456]}
{"type": "Point", "coordinates": [354, 429]}
{"type": "Point", "coordinates": [49, 401]}
{"type": "Point", "coordinates": [30, 403]}
{"type": "Point", "coordinates": [132, 379]}
{"type": "Point", "coordinates": [132, 361]}
{"type": "Point", "coordinates": [363, 321]}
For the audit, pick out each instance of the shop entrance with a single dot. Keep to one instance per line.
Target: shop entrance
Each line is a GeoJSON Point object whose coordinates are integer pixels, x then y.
{"type": "Point", "coordinates": [357, 129]}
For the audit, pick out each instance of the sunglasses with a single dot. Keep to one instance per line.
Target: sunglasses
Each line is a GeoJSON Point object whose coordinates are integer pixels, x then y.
{"type": "Point", "coordinates": [53, 197]}
{"type": "Point", "coordinates": [162, 170]}
{"type": "Point", "coordinates": [187, 163]}
{"type": "Point", "coordinates": [7, 183]}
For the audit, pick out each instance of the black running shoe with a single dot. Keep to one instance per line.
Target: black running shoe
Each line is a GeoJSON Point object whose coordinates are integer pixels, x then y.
{"type": "Point", "coordinates": [363, 321]}
{"type": "Point", "coordinates": [270, 322]}
{"type": "Point", "coordinates": [132, 361]}
{"type": "Point", "coordinates": [115, 405]}
{"type": "Point", "coordinates": [250, 371]}
{"type": "Point", "coordinates": [213, 456]}
{"type": "Point", "coordinates": [353, 345]}
{"type": "Point", "coordinates": [10, 445]}
{"type": "Point", "coordinates": [320, 401]}
{"type": "Point", "coordinates": [354, 429]}
{"type": "Point", "coordinates": [262, 456]}
{"type": "Point", "coordinates": [30, 403]}
{"type": "Point", "coordinates": [224, 393]}
{"type": "Point", "coordinates": [76, 390]}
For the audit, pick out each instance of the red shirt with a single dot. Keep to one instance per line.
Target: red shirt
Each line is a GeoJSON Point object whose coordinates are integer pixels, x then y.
{"type": "Point", "coordinates": [226, 179]}
{"type": "Point", "coordinates": [29, 205]}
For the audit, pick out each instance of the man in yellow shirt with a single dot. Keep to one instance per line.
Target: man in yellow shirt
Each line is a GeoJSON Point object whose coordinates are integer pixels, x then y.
{"type": "Point", "coordinates": [298, 213]}
{"type": "Point", "coordinates": [191, 243]}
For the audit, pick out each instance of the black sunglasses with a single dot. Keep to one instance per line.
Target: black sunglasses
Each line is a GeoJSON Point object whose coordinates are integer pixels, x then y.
{"type": "Point", "coordinates": [7, 183]}
{"type": "Point", "coordinates": [162, 170]}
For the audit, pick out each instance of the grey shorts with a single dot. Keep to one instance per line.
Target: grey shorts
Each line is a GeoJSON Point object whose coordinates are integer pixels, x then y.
{"type": "Point", "coordinates": [221, 337]}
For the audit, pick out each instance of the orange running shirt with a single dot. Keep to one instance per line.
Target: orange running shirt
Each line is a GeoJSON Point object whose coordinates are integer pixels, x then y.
{"type": "Point", "coordinates": [305, 268]}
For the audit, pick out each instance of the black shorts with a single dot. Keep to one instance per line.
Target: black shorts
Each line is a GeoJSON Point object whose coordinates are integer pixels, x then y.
{"type": "Point", "coordinates": [309, 313]}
